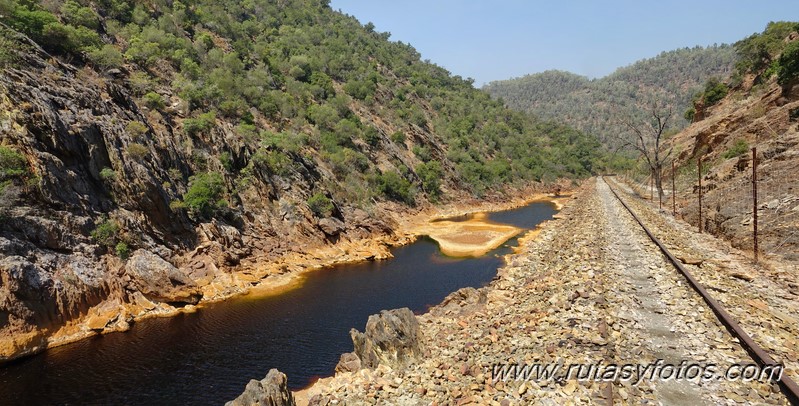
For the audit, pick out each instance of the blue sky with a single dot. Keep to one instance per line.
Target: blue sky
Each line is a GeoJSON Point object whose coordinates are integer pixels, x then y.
{"type": "Point", "coordinates": [494, 40]}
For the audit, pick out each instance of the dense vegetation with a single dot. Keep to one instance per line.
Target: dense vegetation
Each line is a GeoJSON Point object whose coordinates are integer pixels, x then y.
{"type": "Point", "coordinates": [762, 55]}
{"type": "Point", "coordinates": [597, 106]}
{"type": "Point", "coordinates": [301, 84]}
{"type": "Point", "coordinates": [758, 53]}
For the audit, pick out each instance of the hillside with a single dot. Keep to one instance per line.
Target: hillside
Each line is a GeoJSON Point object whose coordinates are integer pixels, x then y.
{"type": "Point", "coordinates": [596, 106]}
{"type": "Point", "coordinates": [159, 154]}
{"type": "Point", "coordinates": [760, 109]}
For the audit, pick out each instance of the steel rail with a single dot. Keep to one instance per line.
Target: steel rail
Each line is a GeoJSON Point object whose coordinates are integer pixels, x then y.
{"type": "Point", "coordinates": [789, 388]}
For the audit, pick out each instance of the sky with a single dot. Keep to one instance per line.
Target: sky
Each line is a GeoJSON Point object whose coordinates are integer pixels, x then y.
{"type": "Point", "coordinates": [500, 39]}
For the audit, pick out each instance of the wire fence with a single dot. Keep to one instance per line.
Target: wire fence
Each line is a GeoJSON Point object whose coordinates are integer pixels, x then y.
{"type": "Point", "coordinates": [725, 203]}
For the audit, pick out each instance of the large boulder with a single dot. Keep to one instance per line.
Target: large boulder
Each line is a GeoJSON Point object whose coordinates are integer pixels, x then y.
{"type": "Point", "coordinates": [271, 391]}
{"type": "Point", "coordinates": [331, 226]}
{"type": "Point", "coordinates": [391, 338]}
{"type": "Point", "coordinates": [464, 301]}
{"type": "Point", "coordinates": [159, 280]}
{"type": "Point", "coordinates": [349, 362]}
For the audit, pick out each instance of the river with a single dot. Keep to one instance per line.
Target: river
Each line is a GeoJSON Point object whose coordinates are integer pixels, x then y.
{"type": "Point", "coordinates": [208, 357]}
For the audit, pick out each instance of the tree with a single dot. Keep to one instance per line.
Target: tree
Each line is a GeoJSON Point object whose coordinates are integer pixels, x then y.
{"type": "Point", "coordinates": [715, 90]}
{"type": "Point", "coordinates": [205, 192]}
{"type": "Point", "coordinates": [789, 64]}
{"type": "Point", "coordinates": [648, 140]}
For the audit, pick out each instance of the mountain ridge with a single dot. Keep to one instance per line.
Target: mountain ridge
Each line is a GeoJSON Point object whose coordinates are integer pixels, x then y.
{"type": "Point", "coordinates": [595, 105]}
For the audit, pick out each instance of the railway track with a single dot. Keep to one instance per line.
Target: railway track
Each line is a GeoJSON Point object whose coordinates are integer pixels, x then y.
{"type": "Point", "coordinates": [788, 387]}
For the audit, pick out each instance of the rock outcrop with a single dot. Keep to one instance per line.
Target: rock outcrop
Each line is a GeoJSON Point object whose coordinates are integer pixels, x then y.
{"type": "Point", "coordinates": [159, 280]}
{"type": "Point", "coordinates": [465, 300]}
{"type": "Point", "coordinates": [270, 391]}
{"type": "Point", "coordinates": [77, 128]}
{"type": "Point", "coordinates": [765, 119]}
{"type": "Point", "coordinates": [391, 338]}
{"type": "Point", "coordinates": [349, 362]}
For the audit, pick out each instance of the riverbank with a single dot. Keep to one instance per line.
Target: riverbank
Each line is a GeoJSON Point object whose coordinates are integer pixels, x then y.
{"type": "Point", "coordinates": [287, 272]}
{"type": "Point", "coordinates": [256, 277]}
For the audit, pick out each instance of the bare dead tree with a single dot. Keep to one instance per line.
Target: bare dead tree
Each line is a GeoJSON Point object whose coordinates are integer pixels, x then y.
{"type": "Point", "coordinates": [649, 141]}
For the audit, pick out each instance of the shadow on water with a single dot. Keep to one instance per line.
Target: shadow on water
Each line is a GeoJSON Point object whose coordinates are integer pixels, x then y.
{"type": "Point", "coordinates": [208, 357]}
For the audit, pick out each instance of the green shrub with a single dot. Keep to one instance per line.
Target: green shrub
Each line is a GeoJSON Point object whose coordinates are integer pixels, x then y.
{"type": "Point", "coordinates": [13, 170]}
{"type": "Point", "coordinates": [205, 192]}
{"type": "Point", "coordinates": [360, 89]}
{"type": "Point", "coordinates": [371, 135]}
{"type": "Point", "coordinates": [108, 174]}
{"type": "Point", "coordinates": [739, 148]}
{"type": "Point", "coordinates": [788, 70]}
{"type": "Point", "coordinates": [398, 137]}
{"type": "Point", "coordinates": [422, 152]}
{"type": "Point", "coordinates": [8, 52]}
{"type": "Point", "coordinates": [45, 28]}
{"type": "Point", "coordinates": [154, 101]}
{"type": "Point", "coordinates": [202, 123]}
{"type": "Point", "coordinates": [177, 204]}
{"type": "Point", "coordinates": [323, 83]}
{"type": "Point", "coordinates": [346, 160]}
{"type": "Point", "coordinates": [320, 205]}
{"type": "Point", "coordinates": [277, 162]}
{"type": "Point", "coordinates": [123, 250]}
{"type": "Point", "coordinates": [393, 186]}
{"type": "Point", "coordinates": [236, 108]}
{"type": "Point", "coordinates": [324, 116]}
{"type": "Point", "coordinates": [418, 118]}
{"type": "Point", "coordinates": [137, 151]}
{"type": "Point", "coordinates": [67, 38]}
{"type": "Point", "coordinates": [143, 52]}
{"type": "Point", "coordinates": [287, 141]}
{"type": "Point", "coordinates": [106, 232]}
{"type": "Point", "coordinates": [75, 14]}
{"type": "Point", "coordinates": [29, 21]}
{"type": "Point", "coordinates": [300, 67]}
{"type": "Point", "coordinates": [140, 83]}
{"type": "Point", "coordinates": [226, 160]}
{"type": "Point", "coordinates": [107, 57]}
{"type": "Point", "coordinates": [12, 164]}
{"type": "Point", "coordinates": [690, 114]}
{"type": "Point", "coordinates": [430, 174]}
{"type": "Point", "coordinates": [136, 129]}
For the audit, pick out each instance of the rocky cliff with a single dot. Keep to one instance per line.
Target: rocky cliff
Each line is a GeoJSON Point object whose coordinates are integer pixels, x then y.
{"type": "Point", "coordinates": [70, 125]}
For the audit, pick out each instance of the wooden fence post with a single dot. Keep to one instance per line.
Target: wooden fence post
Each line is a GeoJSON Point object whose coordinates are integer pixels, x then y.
{"type": "Point", "coordinates": [673, 192]}
{"type": "Point", "coordinates": [754, 198]}
{"type": "Point", "coordinates": [699, 170]}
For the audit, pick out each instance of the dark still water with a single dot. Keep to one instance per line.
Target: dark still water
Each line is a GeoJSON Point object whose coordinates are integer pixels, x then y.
{"type": "Point", "coordinates": [209, 356]}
